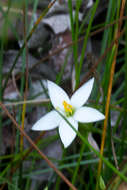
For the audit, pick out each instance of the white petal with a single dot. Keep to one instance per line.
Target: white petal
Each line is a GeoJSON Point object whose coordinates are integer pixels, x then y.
{"type": "Point", "coordinates": [92, 141]}
{"type": "Point", "coordinates": [82, 94]}
{"type": "Point", "coordinates": [49, 121]}
{"type": "Point", "coordinates": [57, 95]}
{"type": "Point", "coordinates": [67, 134]}
{"type": "Point", "coordinates": [87, 115]}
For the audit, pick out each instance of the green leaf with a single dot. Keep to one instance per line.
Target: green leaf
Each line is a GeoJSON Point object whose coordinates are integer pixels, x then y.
{"type": "Point", "coordinates": [102, 183]}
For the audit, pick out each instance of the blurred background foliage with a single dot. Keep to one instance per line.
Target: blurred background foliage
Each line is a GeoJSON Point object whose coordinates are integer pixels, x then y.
{"type": "Point", "coordinates": [68, 42]}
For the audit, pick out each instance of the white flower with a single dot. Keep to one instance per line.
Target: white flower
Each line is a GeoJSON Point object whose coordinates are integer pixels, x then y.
{"type": "Point", "coordinates": [72, 108]}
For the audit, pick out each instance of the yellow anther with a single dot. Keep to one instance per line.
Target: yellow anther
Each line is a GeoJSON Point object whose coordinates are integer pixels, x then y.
{"type": "Point", "coordinates": [67, 107]}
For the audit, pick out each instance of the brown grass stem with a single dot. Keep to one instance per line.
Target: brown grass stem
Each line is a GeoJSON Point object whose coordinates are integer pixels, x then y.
{"type": "Point", "coordinates": [37, 149]}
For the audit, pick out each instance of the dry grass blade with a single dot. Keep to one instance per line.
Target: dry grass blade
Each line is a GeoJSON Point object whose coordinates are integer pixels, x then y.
{"type": "Point", "coordinates": [117, 32]}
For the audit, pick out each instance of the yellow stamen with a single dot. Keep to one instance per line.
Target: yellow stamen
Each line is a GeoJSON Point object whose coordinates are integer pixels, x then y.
{"type": "Point", "coordinates": [67, 107]}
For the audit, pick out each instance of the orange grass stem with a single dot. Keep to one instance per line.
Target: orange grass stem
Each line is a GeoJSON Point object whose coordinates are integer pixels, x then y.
{"type": "Point", "coordinates": [27, 68]}
{"type": "Point", "coordinates": [26, 73]}
{"type": "Point", "coordinates": [94, 67]}
{"type": "Point", "coordinates": [109, 93]}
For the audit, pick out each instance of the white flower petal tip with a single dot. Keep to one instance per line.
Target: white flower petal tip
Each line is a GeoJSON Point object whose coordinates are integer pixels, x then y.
{"type": "Point", "coordinates": [82, 94]}
{"type": "Point", "coordinates": [67, 134]}
{"type": "Point", "coordinates": [72, 110]}
{"type": "Point", "coordinates": [93, 143]}
{"type": "Point", "coordinates": [57, 95]}
{"type": "Point", "coordinates": [48, 122]}
{"type": "Point", "coordinates": [87, 115]}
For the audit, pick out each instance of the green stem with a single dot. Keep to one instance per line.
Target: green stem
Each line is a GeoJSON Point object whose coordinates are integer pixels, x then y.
{"type": "Point", "coordinates": [78, 163]}
{"type": "Point", "coordinates": [94, 150]}
{"type": "Point", "coordinates": [85, 42]}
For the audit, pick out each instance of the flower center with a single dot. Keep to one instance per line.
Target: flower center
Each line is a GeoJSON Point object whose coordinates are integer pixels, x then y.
{"type": "Point", "coordinates": [68, 108]}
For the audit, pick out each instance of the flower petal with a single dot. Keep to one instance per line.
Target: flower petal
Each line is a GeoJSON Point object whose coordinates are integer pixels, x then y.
{"type": "Point", "coordinates": [92, 142]}
{"type": "Point", "coordinates": [49, 121]}
{"type": "Point", "coordinates": [57, 95]}
{"type": "Point", "coordinates": [87, 115]}
{"type": "Point", "coordinates": [67, 134]}
{"type": "Point", "coordinates": [82, 94]}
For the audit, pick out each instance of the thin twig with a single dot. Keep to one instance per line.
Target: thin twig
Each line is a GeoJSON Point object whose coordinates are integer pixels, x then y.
{"type": "Point", "coordinates": [15, 85]}
{"type": "Point", "coordinates": [114, 154]}
{"type": "Point", "coordinates": [37, 149]}
{"type": "Point", "coordinates": [79, 40]}
{"type": "Point", "coordinates": [38, 101]}
{"type": "Point", "coordinates": [28, 151]}
{"type": "Point", "coordinates": [93, 68]}
{"type": "Point", "coordinates": [71, 43]}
